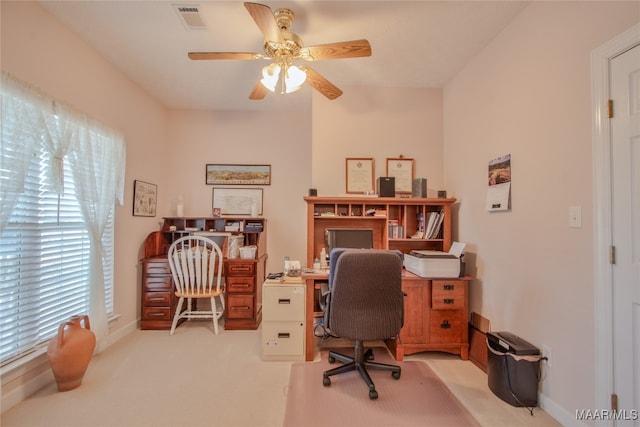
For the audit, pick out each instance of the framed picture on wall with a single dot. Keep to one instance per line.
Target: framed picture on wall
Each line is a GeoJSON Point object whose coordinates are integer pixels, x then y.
{"type": "Point", "coordinates": [219, 174]}
{"type": "Point", "coordinates": [145, 197]}
{"type": "Point", "coordinates": [359, 175]}
{"type": "Point", "coordinates": [402, 170]}
{"type": "Point", "coordinates": [238, 201]}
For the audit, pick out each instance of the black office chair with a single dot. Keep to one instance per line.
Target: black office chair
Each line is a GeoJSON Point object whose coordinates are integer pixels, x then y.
{"type": "Point", "coordinates": [365, 303]}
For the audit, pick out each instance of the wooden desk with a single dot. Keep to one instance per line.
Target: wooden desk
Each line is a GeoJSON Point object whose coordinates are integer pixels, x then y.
{"type": "Point", "coordinates": [436, 315]}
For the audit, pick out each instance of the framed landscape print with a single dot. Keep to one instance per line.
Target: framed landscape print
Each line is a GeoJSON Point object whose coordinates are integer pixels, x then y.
{"type": "Point", "coordinates": [223, 174]}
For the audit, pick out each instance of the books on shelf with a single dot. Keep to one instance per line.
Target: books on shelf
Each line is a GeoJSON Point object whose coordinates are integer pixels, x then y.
{"type": "Point", "coordinates": [434, 225]}
{"type": "Point", "coordinates": [232, 226]}
{"type": "Point", "coordinates": [253, 226]}
{"type": "Point", "coordinates": [395, 231]}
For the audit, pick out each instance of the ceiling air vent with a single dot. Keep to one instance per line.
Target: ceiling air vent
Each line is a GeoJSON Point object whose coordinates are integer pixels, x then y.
{"type": "Point", "coordinates": [190, 16]}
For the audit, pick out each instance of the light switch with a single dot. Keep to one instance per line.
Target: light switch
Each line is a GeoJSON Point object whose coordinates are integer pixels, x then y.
{"type": "Point", "coordinates": [575, 217]}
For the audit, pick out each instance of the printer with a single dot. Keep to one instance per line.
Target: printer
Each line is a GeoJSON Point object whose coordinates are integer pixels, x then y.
{"type": "Point", "coordinates": [426, 263]}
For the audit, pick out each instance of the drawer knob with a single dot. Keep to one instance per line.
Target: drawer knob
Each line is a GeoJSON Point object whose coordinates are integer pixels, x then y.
{"type": "Point", "coordinates": [284, 301]}
{"type": "Point", "coordinates": [284, 335]}
{"type": "Point", "coordinates": [447, 287]}
{"type": "Point", "coordinates": [449, 300]}
{"type": "Point", "coordinates": [445, 325]}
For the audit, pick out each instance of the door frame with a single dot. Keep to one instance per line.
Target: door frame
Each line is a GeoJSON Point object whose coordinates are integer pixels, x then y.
{"type": "Point", "coordinates": [603, 271]}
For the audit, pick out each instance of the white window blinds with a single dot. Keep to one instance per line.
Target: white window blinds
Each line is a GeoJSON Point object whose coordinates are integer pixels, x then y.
{"type": "Point", "coordinates": [60, 176]}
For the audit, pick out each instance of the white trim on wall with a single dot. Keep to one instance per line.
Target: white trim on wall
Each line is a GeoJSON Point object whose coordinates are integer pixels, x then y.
{"type": "Point", "coordinates": [601, 146]}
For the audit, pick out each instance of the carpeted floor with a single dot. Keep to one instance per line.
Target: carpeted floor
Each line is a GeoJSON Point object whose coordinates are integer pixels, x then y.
{"type": "Point", "coordinates": [418, 398]}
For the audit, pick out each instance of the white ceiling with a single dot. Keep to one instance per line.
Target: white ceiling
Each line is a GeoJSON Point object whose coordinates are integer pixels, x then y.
{"type": "Point", "coordinates": [414, 44]}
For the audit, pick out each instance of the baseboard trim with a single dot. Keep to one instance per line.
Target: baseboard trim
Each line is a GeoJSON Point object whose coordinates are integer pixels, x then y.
{"type": "Point", "coordinates": [560, 414]}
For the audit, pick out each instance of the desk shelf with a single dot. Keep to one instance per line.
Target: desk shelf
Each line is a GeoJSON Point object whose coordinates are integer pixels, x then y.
{"type": "Point", "coordinates": [350, 212]}
{"type": "Point", "coordinates": [244, 277]}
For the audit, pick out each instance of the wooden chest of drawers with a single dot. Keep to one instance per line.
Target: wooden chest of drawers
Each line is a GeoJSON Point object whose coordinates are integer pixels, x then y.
{"type": "Point", "coordinates": [158, 298]}
{"type": "Point", "coordinates": [436, 316]}
{"type": "Point", "coordinates": [243, 296]}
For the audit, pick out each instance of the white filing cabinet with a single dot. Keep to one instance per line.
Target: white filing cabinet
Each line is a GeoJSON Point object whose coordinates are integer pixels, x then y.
{"type": "Point", "coordinates": [283, 322]}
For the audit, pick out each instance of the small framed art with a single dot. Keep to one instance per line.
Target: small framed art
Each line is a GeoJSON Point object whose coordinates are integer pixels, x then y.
{"type": "Point", "coordinates": [145, 197]}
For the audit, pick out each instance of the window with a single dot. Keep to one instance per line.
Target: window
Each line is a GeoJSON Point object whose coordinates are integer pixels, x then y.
{"type": "Point", "coordinates": [48, 261]}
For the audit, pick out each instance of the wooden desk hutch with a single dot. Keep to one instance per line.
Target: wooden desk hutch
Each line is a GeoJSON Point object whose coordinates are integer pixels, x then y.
{"type": "Point", "coordinates": [243, 277]}
{"type": "Point", "coordinates": [436, 309]}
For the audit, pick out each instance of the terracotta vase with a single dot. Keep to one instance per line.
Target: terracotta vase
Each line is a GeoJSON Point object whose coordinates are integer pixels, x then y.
{"type": "Point", "coordinates": [70, 352]}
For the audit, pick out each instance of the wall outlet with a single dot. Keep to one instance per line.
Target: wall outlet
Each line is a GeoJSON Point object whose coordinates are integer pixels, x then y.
{"type": "Point", "coordinates": [546, 352]}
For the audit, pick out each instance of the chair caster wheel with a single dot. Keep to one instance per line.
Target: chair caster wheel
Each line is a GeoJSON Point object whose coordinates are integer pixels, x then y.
{"type": "Point", "coordinates": [373, 395]}
{"type": "Point", "coordinates": [326, 381]}
{"type": "Point", "coordinates": [332, 359]}
{"type": "Point", "coordinates": [395, 375]}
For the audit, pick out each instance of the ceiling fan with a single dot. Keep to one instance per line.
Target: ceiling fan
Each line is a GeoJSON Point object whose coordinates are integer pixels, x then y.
{"type": "Point", "coordinates": [284, 48]}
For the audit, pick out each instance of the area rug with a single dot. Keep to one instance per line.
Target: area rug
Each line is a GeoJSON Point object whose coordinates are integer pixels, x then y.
{"type": "Point", "coordinates": [418, 398]}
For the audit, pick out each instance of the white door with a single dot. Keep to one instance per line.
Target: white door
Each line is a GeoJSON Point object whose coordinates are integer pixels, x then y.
{"type": "Point", "coordinates": [625, 171]}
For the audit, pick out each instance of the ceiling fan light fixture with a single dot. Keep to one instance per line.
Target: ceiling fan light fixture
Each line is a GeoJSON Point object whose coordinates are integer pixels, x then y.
{"type": "Point", "coordinates": [294, 78]}
{"type": "Point", "coordinates": [270, 76]}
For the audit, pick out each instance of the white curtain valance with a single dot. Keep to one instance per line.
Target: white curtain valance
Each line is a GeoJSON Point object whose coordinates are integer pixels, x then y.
{"type": "Point", "coordinates": [45, 122]}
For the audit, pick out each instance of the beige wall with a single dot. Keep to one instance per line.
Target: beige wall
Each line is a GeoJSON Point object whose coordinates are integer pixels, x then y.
{"type": "Point", "coordinates": [528, 94]}
{"type": "Point", "coordinates": [282, 140]}
{"type": "Point", "coordinates": [378, 123]}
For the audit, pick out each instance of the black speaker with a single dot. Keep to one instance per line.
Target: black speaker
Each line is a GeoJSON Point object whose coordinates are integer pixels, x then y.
{"type": "Point", "coordinates": [313, 192]}
{"type": "Point", "coordinates": [386, 186]}
{"type": "Point", "coordinates": [419, 187]}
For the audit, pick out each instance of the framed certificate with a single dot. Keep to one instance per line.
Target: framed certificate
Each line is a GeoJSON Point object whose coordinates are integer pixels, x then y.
{"type": "Point", "coordinates": [402, 170]}
{"type": "Point", "coordinates": [360, 175]}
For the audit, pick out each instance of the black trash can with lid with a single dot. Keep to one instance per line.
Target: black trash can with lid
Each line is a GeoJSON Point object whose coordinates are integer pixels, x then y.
{"type": "Point", "coordinates": [513, 369]}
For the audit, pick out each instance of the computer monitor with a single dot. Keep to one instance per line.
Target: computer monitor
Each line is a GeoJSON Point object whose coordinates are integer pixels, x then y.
{"type": "Point", "coordinates": [352, 238]}
{"type": "Point", "coordinates": [219, 237]}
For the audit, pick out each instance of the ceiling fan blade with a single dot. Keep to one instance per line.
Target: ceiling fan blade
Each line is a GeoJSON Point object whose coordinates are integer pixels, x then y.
{"type": "Point", "coordinates": [321, 84]}
{"type": "Point", "coordinates": [341, 50]}
{"type": "Point", "coordinates": [263, 16]}
{"type": "Point", "coordinates": [258, 92]}
{"type": "Point", "coordinates": [224, 55]}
